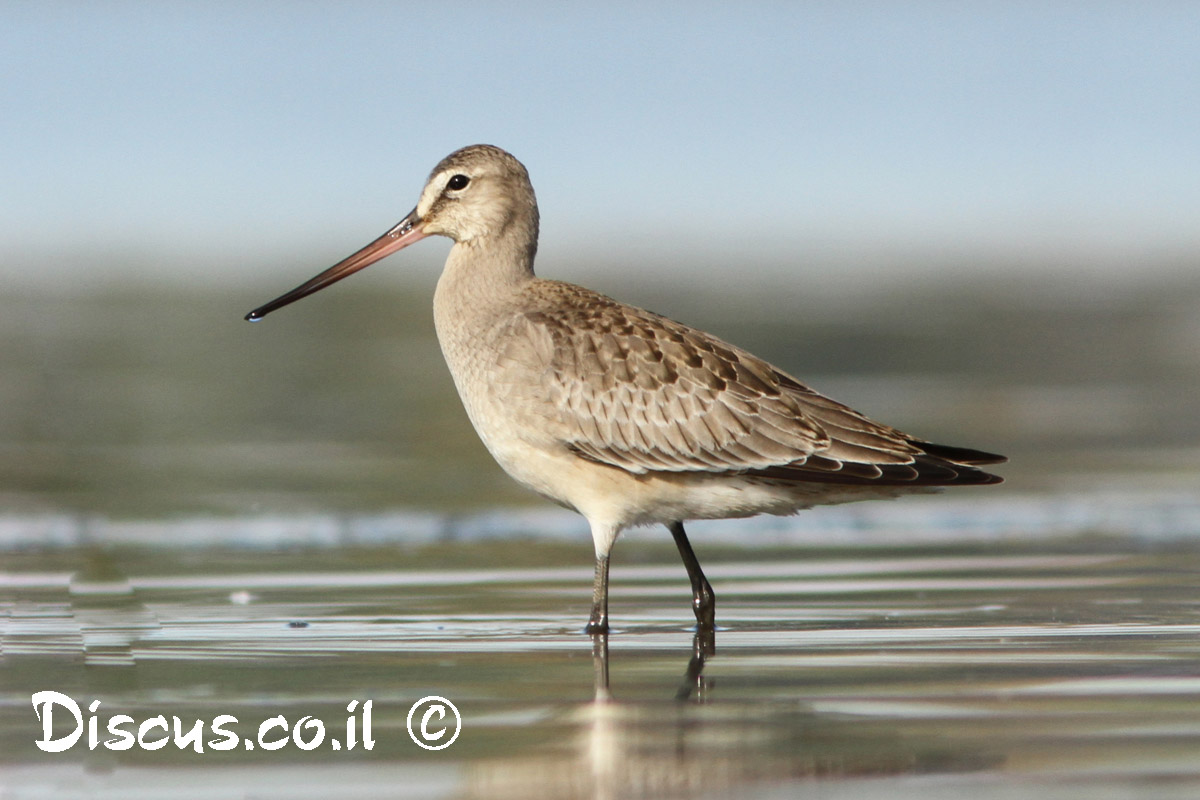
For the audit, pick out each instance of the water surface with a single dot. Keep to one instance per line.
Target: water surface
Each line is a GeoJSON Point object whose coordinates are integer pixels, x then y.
{"type": "Point", "coordinates": [1064, 664]}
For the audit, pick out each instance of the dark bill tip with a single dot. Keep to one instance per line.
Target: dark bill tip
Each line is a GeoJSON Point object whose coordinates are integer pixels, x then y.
{"type": "Point", "coordinates": [401, 235]}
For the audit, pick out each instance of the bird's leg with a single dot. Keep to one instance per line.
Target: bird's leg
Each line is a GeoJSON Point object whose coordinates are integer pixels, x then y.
{"type": "Point", "coordinates": [598, 622]}
{"type": "Point", "coordinates": [704, 602]}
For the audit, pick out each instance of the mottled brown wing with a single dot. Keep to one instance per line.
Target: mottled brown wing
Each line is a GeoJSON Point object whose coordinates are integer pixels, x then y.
{"type": "Point", "coordinates": [641, 392]}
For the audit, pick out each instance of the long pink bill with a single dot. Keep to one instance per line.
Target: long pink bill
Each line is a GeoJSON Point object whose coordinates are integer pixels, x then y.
{"type": "Point", "coordinates": [404, 233]}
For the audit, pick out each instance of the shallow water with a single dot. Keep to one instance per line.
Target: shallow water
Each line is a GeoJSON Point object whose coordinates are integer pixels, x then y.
{"type": "Point", "coordinates": [1062, 664]}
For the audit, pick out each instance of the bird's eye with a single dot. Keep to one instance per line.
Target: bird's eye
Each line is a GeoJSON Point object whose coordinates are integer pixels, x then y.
{"type": "Point", "coordinates": [458, 182]}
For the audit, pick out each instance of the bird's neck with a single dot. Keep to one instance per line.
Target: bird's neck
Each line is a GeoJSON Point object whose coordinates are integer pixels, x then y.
{"type": "Point", "coordinates": [480, 280]}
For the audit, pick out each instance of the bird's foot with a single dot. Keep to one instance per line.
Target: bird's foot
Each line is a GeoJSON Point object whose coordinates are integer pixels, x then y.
{"type": "Point", "coordinates": [597, 623]}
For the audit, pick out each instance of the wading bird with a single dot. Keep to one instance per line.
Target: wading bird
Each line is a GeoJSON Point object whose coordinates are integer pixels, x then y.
{"type": "Point", "coordinates": [623, 415]}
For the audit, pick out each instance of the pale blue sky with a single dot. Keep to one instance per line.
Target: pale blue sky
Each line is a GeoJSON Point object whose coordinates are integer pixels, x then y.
{"type": "Point", "coordinates": [199, 141]}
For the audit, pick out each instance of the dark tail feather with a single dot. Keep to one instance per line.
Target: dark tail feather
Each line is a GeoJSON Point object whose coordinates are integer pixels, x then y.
{"type": "Point", "coordinates": [959, 455]}
{"type": "Point", "coordinates": [939, 465]}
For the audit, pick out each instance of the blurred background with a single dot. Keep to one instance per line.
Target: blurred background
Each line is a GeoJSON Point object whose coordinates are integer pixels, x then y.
{"type": "Point", "coordinates": [975, 222]}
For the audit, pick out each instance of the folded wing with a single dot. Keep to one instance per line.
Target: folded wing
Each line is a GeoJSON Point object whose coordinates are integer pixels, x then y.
{"type": "Point", "coordinates": [644, 393]}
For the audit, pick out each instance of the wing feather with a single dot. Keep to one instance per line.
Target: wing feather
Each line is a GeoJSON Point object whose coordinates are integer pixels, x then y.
{"type": "Point", "coordinates": [643, 393]}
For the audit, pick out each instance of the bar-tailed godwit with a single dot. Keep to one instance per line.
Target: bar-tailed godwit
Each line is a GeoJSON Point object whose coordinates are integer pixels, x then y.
{"type": "Point", "coordinates": [623, 415]}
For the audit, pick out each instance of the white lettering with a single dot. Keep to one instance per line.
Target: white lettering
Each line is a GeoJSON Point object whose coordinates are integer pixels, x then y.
{"type": "Point", "coordinates": [231, 738]}
{"type": "Point", "coordinates": [126, 739]}
{"type": "Point", "coordinates": [318, 736]}
{"type": "Point", "coordinates": [350, 737]}
{"type": "Point", "coordinates": [48, 699]}
{"type": "Point", "coordinates": [120, 732]}
{"type": "Point", "coordinates": [368, 742]}
{"type": "Point", "coordinates": [192, 737]}
{"type": "Point", "coordinates": [93, 737]}
{"type": "Point", "coordinates": [440, 710]}
{"type": "Point", "coordinates": [148, 725]}
{"type": "Point", "coordinates": [274, 722]}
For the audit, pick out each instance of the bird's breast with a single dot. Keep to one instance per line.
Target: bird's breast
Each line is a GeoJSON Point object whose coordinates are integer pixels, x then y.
{"type": "Point", "coordinates": [475, 334]}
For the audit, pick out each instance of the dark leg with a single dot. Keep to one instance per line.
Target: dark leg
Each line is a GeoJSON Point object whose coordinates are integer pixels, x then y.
{"type": "Point", "coordinates": [704, 602]}
{"type": "Point", "coordinates": [598, 622]}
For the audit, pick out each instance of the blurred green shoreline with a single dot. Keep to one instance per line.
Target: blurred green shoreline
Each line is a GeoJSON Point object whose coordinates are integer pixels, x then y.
{"type": "Point", "coordinates": [140, 401]}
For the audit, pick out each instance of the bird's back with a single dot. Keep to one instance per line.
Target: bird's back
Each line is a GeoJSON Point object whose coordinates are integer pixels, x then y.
{"type": "Point", "coordinates": [630, 389]}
